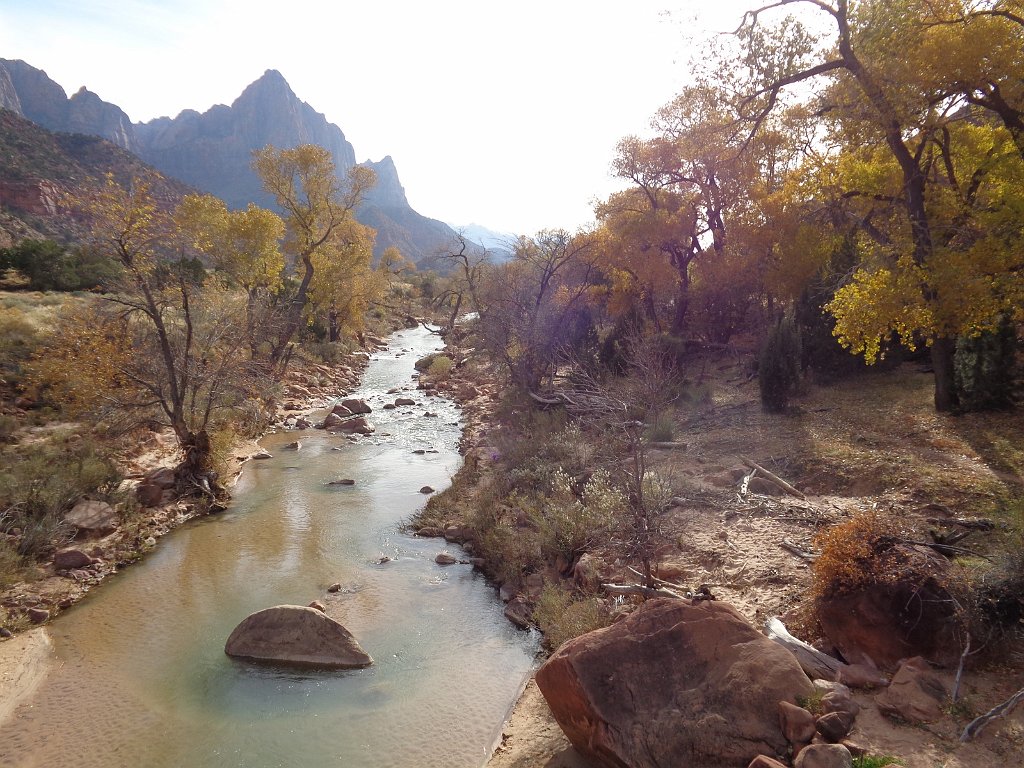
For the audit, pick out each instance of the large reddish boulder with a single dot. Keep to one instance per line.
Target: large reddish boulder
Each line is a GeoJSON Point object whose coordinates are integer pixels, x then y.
{"type": "Point", "coordinates": [95, 518]}
{"type": "Point", "coordinates": [909, 612]}
{"type": "Point", "coordinates": [675, 683]}
{"type": "Point", "coordinates": [293, 634]}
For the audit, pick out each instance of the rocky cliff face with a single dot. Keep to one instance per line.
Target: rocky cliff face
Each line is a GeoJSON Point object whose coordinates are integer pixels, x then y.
{"type": "Point", "coordinates": [35, 96]}
{"type": "Point", "coordinates": [212, 151]}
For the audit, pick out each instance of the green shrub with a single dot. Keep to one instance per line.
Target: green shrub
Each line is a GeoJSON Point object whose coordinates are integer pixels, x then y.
{"type": "Point", "coordinates": [562, 617]}
{"type": "Point", "coordinates": [49, 266]}
{"type": "Point", "coordinates": [779, 368]}
{"type": "Point", "coordinates": [440, 366]}
{"type": "Point", "coordinates": [985, 368]}
{"type": "Point", "coordinates": [875, 761]}
{"type": "Point", "coordinates": [40, 482]}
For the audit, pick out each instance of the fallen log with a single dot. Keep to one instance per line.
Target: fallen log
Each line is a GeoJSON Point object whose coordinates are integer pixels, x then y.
{"type": "Point", "coordinates": [816, 664]}
{"type": "Point", "coordinates": [556, 400]}
{"type": "Point", "coordinates": [774, 478]}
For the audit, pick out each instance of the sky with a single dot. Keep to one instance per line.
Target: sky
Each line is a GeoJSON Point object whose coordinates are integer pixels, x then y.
{"type": "Point", "coordinates": [501, 114]}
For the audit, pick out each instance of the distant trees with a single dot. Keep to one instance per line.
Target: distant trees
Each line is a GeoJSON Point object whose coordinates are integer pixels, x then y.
{"type": "Point", "coordinates": [533, 309]}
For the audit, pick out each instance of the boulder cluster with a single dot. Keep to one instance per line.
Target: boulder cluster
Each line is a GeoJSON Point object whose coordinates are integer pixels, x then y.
{"type": "Point", "coordinates": [692, 683]}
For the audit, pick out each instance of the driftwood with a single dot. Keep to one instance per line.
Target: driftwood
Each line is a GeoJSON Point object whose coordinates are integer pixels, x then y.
{"type": "Point", "coordinates": [975, 726]}
{"type": "Point", "coordinates": [556, 400]}
{"type": "Point", "coordinates": [636, 589]}
{"type": "Point", "coordinates": [796, 550]}
{"type": "Point", "coordinates": [816, 664]}
{"type": "Point", "coordinates": [774, 478]}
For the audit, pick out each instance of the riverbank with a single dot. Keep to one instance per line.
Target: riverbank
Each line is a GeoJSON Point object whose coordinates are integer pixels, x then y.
{"type": "Point", "coordinates": [751, 544]}
{"type": "Point", "coordinates": [30, 605]}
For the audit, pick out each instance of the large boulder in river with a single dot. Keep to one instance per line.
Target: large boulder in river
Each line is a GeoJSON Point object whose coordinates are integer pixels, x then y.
{"type": "Point", "coordinates": [356, 406]}
{"type": "Point", "coordinates": [674, 683]}
{"type": "Point", "coordinates": [294, 634]}
{"type": "Point", "coordinates": [358, 425]}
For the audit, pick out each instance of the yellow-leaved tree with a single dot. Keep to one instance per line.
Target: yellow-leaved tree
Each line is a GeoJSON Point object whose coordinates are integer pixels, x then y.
{"type": "Point", "coordinates": [168, 343]}
{"type": "Point", "coordinates": [323, 239]}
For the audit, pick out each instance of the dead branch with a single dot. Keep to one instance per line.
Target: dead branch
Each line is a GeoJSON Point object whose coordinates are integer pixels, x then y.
{"type": "Point", "coordinates": [960, 669]}
{"type": "Point", "coordinates": [659, 582]}
{"type": "Point", "coordinates": [668, 445]}
{"type": "Point", "coordinates": [796, 550]}
{"type": "Point", "coordinates": [945, 549]}
{"type": "Point", "coordinates": [975, 726]}
{"type": "Point", "coordinates": [636, 589]}
{"type": "Point", "coordinates": [816, 664]}
{"type": "Point", "coordinates": [774, 478]}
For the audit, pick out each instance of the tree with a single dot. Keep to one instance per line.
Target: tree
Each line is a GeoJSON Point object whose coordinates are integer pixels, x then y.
{"type": "Point", "coordinates": [171, 346]}
{"type": "Point", "coordinates": [319, 214]}
{"type": "Point", "coordinates": [874, 94]}
{"type": "Point", "coordinates": [243, 245]}
{"type": "Point", "coordinates": [533, 309]}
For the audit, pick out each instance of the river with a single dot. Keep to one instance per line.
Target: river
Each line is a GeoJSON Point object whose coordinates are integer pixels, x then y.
{"type": "Point", "coordinates": [141, 678]}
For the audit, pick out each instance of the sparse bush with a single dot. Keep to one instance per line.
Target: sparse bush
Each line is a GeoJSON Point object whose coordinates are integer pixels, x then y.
{"type": "Point", "coordinates": [328, 352]}
{"type": "Point", "coordinates": [661, 429]}
{"type": "Point", "coordinates": [11, 565]}
{"type": "Point", "coordinates": [512, 552]}
{"type": "Point", "coordinates": [848, 554]}
{"type": "Point", "coordinates": [779, 368]}
{"type": "Point", "coordinates": [562, 617]}
{"type": "Point", "coordinates": [40, 482]}
{"type": "Point", "coordinates": [571, 522]}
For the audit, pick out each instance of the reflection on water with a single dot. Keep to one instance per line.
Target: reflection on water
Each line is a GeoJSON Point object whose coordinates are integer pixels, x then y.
{"type": "Point", "coordinates": [142, 679]}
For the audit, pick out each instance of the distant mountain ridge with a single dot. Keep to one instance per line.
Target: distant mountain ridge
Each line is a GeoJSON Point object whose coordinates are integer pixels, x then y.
{"type": "Point", "coordinates": [212, 151]}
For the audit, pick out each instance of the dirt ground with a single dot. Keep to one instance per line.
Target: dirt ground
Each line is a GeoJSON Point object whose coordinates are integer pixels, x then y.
{"type": "Point", "coordinates": [873, 442]}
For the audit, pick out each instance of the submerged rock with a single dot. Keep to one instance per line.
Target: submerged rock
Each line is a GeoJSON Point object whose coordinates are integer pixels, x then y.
{"type": "Point", "coordinates": [293, 634]}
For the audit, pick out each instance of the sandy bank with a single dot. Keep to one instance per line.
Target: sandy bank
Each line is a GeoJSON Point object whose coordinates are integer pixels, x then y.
{"type": "Point", "coordinates": [24, 663]}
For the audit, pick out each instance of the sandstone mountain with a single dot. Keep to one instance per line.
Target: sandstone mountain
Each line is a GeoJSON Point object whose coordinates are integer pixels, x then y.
{"type": "Point", "coordinates": [212, 151]}
{"type": "Point", "coordinates": [36, 164]}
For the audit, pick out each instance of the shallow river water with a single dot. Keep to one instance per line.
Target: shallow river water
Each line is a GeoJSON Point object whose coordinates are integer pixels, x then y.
{"type": "Point", "coordinates": [141, 678]}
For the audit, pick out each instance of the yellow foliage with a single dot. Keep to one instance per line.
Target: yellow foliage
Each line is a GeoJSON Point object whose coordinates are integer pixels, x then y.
{"type": "Point", "coordinates": [84, 365]}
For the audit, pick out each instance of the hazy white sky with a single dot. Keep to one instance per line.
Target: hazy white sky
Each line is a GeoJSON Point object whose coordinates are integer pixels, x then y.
{"type": "Point", "coordinates": [503, 114]}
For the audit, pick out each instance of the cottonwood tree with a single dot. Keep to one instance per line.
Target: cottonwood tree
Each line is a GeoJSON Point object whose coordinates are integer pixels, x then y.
{"type": "Point", "coordinates": [171, 345]}
{"type": "Point", "coordinates": [242, 245]}
{"type": "Point", "coordinates": [870, 92]}
{"type": "Point", "coordinates": [534, 307]}
{"type": "Point", "coordinates": [322, 233]}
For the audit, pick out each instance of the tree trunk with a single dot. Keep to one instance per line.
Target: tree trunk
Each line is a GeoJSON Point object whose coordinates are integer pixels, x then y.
{"type": "Point", "coordinates": [942, 352]}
